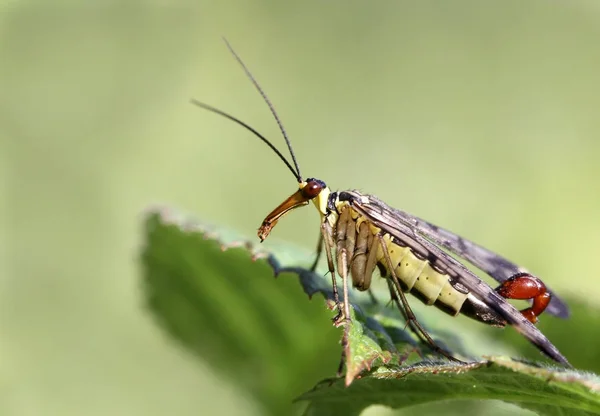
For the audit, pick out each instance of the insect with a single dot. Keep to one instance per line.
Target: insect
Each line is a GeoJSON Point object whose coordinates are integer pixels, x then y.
{"type": "Point", "coordinates": [360, 233]}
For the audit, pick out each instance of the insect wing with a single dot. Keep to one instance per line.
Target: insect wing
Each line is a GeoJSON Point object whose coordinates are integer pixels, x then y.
{"type": "Point", "coordinates": [384, 217]}
{"type": "Point", "coordinates": [491, 263]}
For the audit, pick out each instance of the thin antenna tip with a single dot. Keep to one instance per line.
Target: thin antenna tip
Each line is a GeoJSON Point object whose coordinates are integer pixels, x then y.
{"type": "Point", "coordinates": [268, 102]}
{"type": "Point", "coordinates": [197, 103]}
{"type": "Point", "coordinates": [228, 44]}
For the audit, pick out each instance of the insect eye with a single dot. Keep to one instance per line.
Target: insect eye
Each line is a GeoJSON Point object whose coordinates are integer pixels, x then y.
{"type": "Point", "coordinates": [312, 189]}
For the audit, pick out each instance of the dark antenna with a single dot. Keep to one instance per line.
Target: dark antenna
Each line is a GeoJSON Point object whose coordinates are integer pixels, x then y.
{"type": "Point", "coordinates": [262, 93]}
{"type": "Point", "coordinates": [246, 126]}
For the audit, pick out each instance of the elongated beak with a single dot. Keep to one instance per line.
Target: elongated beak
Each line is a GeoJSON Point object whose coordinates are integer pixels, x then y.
{"type": "Point", "coordinates": [294, 201]}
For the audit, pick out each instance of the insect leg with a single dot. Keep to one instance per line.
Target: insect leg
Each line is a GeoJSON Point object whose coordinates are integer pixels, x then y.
{"type": "Point", "coordinates": [526, 286]}
{"type": "Point", "coordinates": [319, 251]}
{"type": "Point", "coordinates": [345, 237]}
{"type": "Point", "coordinates": [344, 272]}
{"type": "Point", "coordinates": [363, 261]}
{"type": "Point", "coordinates": [405, 308]}
{"type": "Point", "coordinates": [327, 239]}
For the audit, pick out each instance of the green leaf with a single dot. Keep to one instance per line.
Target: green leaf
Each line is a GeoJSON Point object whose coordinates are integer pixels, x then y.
{"type": "Point", "coordinates": [541, 390]}
{"type": "Point", "coordinates": [362, 349]}
{"type": "Point", "coordinates": [225, 306]}
{"type": "Point", "coordinates": [216, 294]}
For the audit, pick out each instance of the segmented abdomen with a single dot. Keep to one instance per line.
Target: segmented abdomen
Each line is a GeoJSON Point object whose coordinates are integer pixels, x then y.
{"type": "Point", "coordinates": [420, 278]}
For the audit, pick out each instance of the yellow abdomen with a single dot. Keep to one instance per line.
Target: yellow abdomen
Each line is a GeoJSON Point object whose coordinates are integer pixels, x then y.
{"type": "Point", "coordinates": [418, 277]}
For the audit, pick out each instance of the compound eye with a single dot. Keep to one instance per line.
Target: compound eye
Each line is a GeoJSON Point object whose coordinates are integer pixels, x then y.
{"type": "Point", "coordinates": [312, 189]}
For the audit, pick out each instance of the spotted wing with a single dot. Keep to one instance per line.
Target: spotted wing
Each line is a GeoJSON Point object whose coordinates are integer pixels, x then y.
{"type": "Point", "coordinates": [385, 218]}
{"type": "Point", "coordinates": [491, 263]}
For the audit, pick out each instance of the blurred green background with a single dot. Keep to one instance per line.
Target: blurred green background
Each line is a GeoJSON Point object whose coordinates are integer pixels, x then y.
{"type": "Point", "coordinates": [480, 116]}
